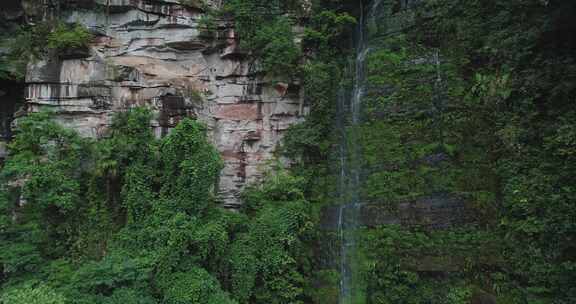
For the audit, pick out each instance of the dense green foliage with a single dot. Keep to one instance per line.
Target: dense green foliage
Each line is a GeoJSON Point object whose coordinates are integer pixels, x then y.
{"type": "Point", "coordinates": [68, 37]}
{"type": "Point", "coordinates": [322, 76]}
{"type": "Point", "coordinates": [38, 295]}
{"type": "Point", "coordinates": [22, 48]}
{"type": "Point", "coordinates": [39, 41]}
{"type": "Point", "coordinates": [268, 30]}
{"type": "Point", "coordinates": [268, 34]}
{"type": "Point", "coordinates": [467, 101]}
{"type": "Point", "coordinates": [275, 249]}
{"type": "Point", "coordinates": [132, 219]}
{"type": "Point", "coordinates": [472, 99]}
{"type": "Point", "coordinates": [408, 263]}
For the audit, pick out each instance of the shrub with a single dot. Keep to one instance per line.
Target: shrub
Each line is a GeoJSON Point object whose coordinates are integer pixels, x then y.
{"type": "Point", "coordinates": [65, 36]}
{"type": "Point", "coordinates": [32, 295]}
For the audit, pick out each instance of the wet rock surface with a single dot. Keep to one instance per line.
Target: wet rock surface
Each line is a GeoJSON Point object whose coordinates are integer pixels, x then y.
{"type": "Point", "coordinates": [434, 212]}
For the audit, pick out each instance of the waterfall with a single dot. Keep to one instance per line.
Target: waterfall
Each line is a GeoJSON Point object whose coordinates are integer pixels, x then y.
{"type": "Point", "coordinates": [348, 120]}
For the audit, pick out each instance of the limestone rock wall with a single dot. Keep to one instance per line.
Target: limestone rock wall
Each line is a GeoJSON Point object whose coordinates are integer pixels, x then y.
{"type": "Point", "coordinates": [156, 54]}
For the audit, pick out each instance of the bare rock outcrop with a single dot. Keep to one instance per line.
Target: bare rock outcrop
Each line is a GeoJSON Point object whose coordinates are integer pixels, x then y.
{"type": "Point", "coordinates": [156, 54]}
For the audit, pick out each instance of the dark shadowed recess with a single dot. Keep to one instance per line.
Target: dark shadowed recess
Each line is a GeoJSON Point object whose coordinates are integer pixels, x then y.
{"type": "Point", "coordinates": [11, 97]}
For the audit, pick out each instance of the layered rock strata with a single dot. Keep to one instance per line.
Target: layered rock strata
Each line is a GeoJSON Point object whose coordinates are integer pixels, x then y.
{"type": "Point", "coordinates": [157, 54]}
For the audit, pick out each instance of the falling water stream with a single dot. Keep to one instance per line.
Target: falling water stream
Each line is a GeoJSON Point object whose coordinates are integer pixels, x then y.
{"type": "Point", "coordinates": [349, 118]}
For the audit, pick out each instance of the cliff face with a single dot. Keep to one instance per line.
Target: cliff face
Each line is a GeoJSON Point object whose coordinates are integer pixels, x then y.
{"type": "Point", "coordinates": [11, 15]}
{"type": "Point", "coordinates": [158, 54]}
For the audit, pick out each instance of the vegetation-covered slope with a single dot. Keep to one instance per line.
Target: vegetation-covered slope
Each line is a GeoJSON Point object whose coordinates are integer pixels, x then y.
{"type": "Point", "coordinates": [131, 219]}
{"type": "Point", "coordinates": [471, 100]}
